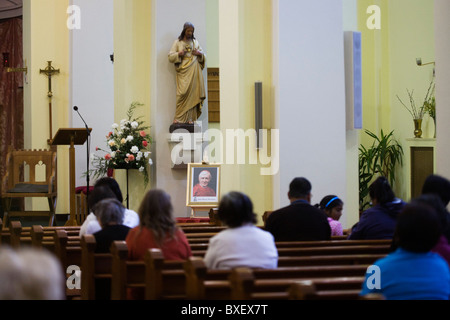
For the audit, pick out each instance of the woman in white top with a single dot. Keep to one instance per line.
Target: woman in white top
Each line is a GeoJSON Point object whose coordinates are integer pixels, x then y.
{"type": "Point", "coordinates": [242, 244]}
{"type": "Point", "coordinates": [90, 224]}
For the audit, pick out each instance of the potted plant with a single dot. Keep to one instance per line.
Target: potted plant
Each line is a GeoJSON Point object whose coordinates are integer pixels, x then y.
{"type": "Point", "coordinates": [417, 113]}
{"type": "Point", "coordinates": [380, 159]}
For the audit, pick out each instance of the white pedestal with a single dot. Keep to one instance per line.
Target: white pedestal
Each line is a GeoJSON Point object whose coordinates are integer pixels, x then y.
{"type": "Point", "coordinates": [185, 148]}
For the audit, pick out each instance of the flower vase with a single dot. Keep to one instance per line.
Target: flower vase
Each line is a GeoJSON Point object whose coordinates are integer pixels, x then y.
{"type": "Point", "coordinates": [434, 120]}
{"type": "Point", "coordinates": [418, 128]}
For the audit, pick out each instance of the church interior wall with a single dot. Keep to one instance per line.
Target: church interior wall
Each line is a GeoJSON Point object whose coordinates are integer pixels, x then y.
{"type": "Point", "coordinates": [303, 83]}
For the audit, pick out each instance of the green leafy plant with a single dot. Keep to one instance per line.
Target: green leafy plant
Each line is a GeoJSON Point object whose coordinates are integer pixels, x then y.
{"type": "Point", "coordinates": [430, 101]}
{"type": "Point", "coordinates": [380, 159]}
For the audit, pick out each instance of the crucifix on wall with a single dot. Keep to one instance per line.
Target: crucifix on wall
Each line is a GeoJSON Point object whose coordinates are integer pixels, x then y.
{"type": "Point", "coordinates": [49, 72]}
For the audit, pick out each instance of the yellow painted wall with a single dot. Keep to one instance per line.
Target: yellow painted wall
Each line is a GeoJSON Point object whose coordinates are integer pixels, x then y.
{"type": "Point", "coordinates": [389, 68]}
{"type": "Point", "coordinates": [46, 38]}
{"type": "Point", "coordinates": [132, 61]}
{"type": "Point", "coordinates": [246, 57]}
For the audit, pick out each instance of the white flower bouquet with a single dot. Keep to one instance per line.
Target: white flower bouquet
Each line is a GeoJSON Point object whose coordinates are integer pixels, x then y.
{"type": "Point", "coordinates": [129, 147]}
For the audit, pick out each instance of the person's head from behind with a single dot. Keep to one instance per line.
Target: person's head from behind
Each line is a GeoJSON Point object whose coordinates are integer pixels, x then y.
{"type": "Point", "coordinates": [109, 212]}
{"type": "Point", "coordinates": [380, 191]}
{"type": "Point", "coordinates": [30, 274]}
{"type": "Point", "coordinates": [236, 209]}
{"type": "Point", "coordinates": [156, 213]}
{"type": "Point", "coordinates": [418, 228]}
{"type": "Point", "coordinates": [434, 201]}
{"type": "Point", "coordinates": [438, 185]}
{"type": "Point", "coordinates": [299, 188]}
{"type": "Point", "coordinates": [98, 194]}
{"type": "Point", "coordinates": [112, 184]}
{"type": "Point", "coordinates": [332, 205]}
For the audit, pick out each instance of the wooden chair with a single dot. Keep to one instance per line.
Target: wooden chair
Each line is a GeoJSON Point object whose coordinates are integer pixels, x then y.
{"type": "Point", "coordinates": [14, 185]}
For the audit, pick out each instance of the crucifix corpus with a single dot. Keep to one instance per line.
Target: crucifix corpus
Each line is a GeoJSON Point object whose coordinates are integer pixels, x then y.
{"type": "Point", "coordinates": [49, 72]}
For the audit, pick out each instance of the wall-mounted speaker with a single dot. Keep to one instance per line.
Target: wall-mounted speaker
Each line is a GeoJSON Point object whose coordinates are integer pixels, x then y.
{"type": "Point", "coordinates": [258, 113]}
{"type": "Point", "coordinates": [353, 79]}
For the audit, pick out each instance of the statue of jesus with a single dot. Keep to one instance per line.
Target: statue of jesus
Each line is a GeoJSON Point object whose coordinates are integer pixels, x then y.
{"type": "Point", "coordinates": [189, 60]}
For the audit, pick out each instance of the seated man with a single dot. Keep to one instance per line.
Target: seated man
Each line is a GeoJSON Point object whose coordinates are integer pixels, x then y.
{"type": "Point", "coordinates": [300, 221]}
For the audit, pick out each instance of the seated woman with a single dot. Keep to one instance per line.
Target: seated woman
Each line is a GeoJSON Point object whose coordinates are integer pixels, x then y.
{"type": "Point", "coordinates": [333, 206]}
{"type": "Point", "coordinates": [157, 229]}
{"type": "Point", "coordinates": [379, 221]}
{"type": "Point", "coordinates": [91, 224]}
{"type": "Point", "coordinates": [109, 213]}
{"type": "Point", "coordinates": [242, 244]}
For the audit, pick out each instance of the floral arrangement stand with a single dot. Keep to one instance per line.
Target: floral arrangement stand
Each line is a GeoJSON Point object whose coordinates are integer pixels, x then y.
{"type": "Point", "coordinates": [129, 148]}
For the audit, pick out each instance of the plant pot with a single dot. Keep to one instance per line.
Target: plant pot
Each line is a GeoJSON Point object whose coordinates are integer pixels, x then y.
{"type": "Point", "coordinates": [418, 128]}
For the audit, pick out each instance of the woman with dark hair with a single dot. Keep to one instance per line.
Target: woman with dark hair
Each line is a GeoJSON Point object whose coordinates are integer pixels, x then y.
{"type": "Point", "coordinates": [442, 247]}
{"type": "Point", "coordinates": [379, 221]}
{"type": "Point", "coordinates": [157, 229]}
{"type": "Point", "coordinates": [412, 271]}
{"type": "Point", "coordinates": [91, 224]}
{"type": "Point", "coordinates": [440, 186]}
{"type": "Point", "coordinates": [242, 244]}
{"type": "Point", "coordinates": [332, 206]}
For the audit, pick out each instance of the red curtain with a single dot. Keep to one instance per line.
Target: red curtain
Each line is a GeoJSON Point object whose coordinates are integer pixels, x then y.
{"type": "Point", "coordinates": [11, 89]}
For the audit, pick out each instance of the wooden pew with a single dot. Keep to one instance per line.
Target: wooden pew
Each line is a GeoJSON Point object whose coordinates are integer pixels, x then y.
{"type": "Point", "coordinates": [327, 289]}
{"type": "Point", "coordinates": [204, 283]}
{"type": "Point", "coordinates": [166, 279]}
{"type": "Point", "coordinates": [125, 274]}
{"type": "Point", "coordinates": [348, 259]}
{"type": "Point", "coordinates": [155, 277]}
{"type": "Point", "coordinates": [18, 234]}
{"type": "Point", "coordinates": [250, 284]}
{"type": "Point", "coordinates": [204, 229]}
{"type": "Point", "coordinates": [68, 254]}
{"type": "Point", "coordinates": [320, 250]}
{"type": "Point", "coordinates": [96, 271]}
{"type": "Point", "coordinates": [335, 250]}
{"type": "Point", "coordinates": [329, 243]}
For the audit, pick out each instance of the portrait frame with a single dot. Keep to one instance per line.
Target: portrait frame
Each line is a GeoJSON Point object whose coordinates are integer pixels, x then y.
{"type": "Point", "coordinates": [198, 195]}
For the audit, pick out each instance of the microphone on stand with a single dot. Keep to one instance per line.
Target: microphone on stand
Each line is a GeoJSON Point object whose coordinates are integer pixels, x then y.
{"type": "Point", "coordinates": [87, 158]}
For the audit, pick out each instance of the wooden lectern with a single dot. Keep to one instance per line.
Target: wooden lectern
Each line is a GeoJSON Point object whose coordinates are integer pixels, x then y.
{"type": "Point", "coordinates": [71, 137]}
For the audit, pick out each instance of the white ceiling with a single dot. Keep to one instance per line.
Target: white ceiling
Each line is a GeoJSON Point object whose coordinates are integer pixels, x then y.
{"type": "Point", "coordinates": [10, 8]}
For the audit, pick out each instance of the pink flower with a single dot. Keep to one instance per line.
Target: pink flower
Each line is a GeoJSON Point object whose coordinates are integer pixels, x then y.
{"type": "Point", "coordinates": [108, 157]}
{"type": "Point", "coordinates": [142, 133]}
{"type": "Point", "coordinates": [131, 157]}
{"type": "Point", "coordinates": [144, 143]}
{"type": "Point", "coordinates": [96, 148]}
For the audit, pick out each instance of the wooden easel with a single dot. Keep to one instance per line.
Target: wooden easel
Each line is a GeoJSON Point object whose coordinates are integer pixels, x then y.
{"type": "Point", "coordinates": [201, 208]}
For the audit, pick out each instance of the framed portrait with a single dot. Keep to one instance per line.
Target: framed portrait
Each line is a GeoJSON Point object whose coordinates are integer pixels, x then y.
{"type": "Point", "coordinates": [203, 185]}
